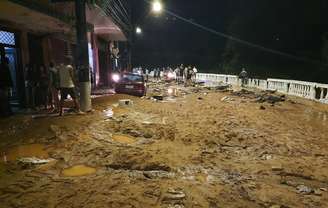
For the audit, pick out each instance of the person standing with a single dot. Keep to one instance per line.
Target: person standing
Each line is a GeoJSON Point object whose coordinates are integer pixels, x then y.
{"type": "Point", "coordinates": [67, 84]}
{"type": "Point", "coordinates": [181, 73]}
{"type": "Point", "coordinates": [177, 74]}
{"type": "Point", "coordinates": [54, 86]}
{"type": "Point", "coordinates": [195, 71]}
{"type": "Point", "coordinates": [243, 76]}
{"type": "Point", "coordinates": [5, 84]}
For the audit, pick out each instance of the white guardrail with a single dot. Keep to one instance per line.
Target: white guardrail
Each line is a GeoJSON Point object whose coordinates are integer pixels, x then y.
{"type": "Point", "coordinates": [308, 90]}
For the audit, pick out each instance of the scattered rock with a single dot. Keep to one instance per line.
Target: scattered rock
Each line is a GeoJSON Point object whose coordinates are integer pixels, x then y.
{"type": "Point", "coordinates": [262, 107]}
{"type": "Point", "coordinates": [200, 98]}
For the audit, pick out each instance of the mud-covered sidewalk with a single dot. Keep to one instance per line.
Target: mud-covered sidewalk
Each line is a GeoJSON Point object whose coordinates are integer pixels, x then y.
{"type": "Point", "coordinates": [198, 147]}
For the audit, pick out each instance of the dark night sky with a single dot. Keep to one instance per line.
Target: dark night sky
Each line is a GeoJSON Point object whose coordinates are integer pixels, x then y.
{"type": "Point", "coordinates": [291, 26]}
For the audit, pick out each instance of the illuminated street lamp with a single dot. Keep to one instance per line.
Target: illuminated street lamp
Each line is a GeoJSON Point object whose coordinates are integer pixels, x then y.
{"type": "Point", "coordinates": [157, 6]}
{"type": "Point", "coordinates": [138, 30]}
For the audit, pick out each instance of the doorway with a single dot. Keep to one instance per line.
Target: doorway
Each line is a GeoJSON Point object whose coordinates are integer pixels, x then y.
{"type": "Point", "coordinates": [8, 50]}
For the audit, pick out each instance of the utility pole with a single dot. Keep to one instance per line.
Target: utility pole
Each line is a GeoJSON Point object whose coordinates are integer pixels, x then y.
{"type": "Point", "coordinates": [83, 56]}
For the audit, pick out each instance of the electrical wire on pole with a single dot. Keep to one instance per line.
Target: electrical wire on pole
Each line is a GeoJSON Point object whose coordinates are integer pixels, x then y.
{"type": "Point", "coordinates": [243, 42]}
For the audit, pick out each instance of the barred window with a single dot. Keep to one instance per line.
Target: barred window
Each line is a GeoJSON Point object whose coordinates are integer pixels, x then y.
{"type": "Point", "coordinates": [7, 38]}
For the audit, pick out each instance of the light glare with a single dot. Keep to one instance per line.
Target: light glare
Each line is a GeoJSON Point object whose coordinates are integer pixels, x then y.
{"type": "Point", "coordinates": [138, 30]}
{"type": "Point", "coordinates": [157, 7]}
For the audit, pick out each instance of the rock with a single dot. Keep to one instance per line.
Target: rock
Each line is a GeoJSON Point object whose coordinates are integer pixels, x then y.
{"type": "Point", "coordinates": [200, 98]}
{"type": "Point", "coordinates": [323, 189]}
{"type": "Point", "coordinates": [262, 107]}
{"type": "Point", "coordinates": [277, 168]}
{"type": "Point", "coordinates": [125, 102]}
{"type": "Point", "coordinates": [302, 189]}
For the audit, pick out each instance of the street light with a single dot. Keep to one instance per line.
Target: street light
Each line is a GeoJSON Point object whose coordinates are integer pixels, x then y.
{"type": "Point", "coordinates": [138, 30]}
{"type": "Point", "coordinates": [157, 6]}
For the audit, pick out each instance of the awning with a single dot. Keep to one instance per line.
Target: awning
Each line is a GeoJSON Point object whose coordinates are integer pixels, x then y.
{"type": "Point", "coordinates": [104, 26]}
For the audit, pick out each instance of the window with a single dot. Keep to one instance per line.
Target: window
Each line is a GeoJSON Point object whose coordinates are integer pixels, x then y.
{"type": "Point", "coordinates": [7, 38]}
{"type": "Point", "coordinates": [132, 78]}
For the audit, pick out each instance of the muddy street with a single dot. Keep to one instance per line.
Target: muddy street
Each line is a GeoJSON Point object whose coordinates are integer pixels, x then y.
{"type": "Point", "coordinates": [178, 147]}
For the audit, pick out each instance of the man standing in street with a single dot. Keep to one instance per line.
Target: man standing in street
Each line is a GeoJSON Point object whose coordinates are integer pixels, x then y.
{"type": "Point", "coordinates": [5, 85]}
{"type": "Point", "coordinates": [67, 84]}
{"type": "Point", "coordinates": [194, 75]}
{"type": "Point", "coordinates": [243, 76]}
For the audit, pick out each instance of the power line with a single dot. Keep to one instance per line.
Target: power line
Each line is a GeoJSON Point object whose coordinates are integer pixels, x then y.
{"type": "Point", "coordinates": [244, 42]}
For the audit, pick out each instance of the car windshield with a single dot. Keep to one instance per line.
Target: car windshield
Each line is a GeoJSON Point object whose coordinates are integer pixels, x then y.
{"type": "Point", "coordinates": [132, 78]}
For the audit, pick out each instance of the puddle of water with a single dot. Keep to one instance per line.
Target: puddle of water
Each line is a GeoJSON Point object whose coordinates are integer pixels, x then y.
{"type": "Point", "coordinates": [78, 170]}
{"type": "Point", "coordinates": [124, 139]}
{"type": "Point", "coordinates": [31, 150]}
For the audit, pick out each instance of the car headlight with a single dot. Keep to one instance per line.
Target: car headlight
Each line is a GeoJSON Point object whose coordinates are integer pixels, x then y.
{"type": "Point", "coordinates": [116, 77]}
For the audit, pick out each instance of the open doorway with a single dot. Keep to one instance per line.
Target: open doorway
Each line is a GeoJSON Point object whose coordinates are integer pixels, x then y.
{"type": "Point", "coordinates": [8, 50]}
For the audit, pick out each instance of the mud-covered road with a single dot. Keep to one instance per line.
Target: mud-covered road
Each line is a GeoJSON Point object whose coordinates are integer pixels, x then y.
{"type": "Point", "coordinates": [201, 148]}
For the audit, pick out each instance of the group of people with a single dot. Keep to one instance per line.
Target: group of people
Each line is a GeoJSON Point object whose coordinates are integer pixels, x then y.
{"type": "Point", "coordinates": [46, 88]}
{"type": "Point", "coordinates": [181, 74]}
{"type": "Point", "coordinates": [186, 74]}
{"type": "Point", "coordinates": [43, 86]}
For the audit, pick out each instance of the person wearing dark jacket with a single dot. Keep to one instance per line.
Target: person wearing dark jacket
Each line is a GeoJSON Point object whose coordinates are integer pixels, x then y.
{"type": "Point", "coordinates": [5, 85]}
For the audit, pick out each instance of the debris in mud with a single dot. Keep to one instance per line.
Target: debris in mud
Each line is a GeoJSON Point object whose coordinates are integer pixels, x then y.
{"type": "Point", "coordinates": [272, 99]}
{"type": "Point", "coordinates": [109, 113]}
{"type": "Point", "coordinates": [260, 97]}
{"type": "Point", "coordinates": [262, 107]}
{"type": "Point", "coordinates": [223, 87]}
{"type": "Point", "coordinates": [302, 189]}
{"type": "Point", "coordinates": [158, 97]}
{"type": "Point", "coordinates": [227, 99]}
{"type": "Point", "coordinates": [244, 93]}
{"type": "Point", "coordinates": [174, 197]}
{"type": "Point", "coordinates": [125, 102]}
{"type": "Point", "coordinates": [30, 161]}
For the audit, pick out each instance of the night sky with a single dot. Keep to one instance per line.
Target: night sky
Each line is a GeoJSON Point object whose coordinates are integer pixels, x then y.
{"type": "Point", "coordinates": [292, 26]}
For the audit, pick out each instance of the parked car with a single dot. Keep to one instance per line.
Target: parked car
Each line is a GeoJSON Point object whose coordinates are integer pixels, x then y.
{"type": "Point", "coordinates": [131, 84]}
